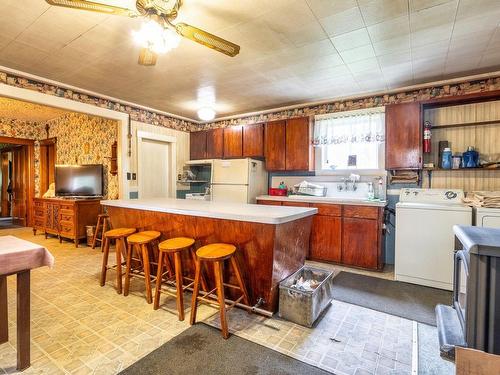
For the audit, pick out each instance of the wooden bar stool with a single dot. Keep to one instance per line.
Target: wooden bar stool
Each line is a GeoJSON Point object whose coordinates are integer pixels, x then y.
{"type": "Point", "coordinates": [217, 253]}
{"type": "Point", "coordinates": [119, 235]}
{"type": "Point", "coordinates": [174, 246]}
{"type": "Point", "coordinates": [102, 225]}
{"type": "Point", "coordinates": [141, 243]}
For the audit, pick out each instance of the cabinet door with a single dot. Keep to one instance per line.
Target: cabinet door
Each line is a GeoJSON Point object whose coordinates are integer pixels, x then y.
{"type": "Point", "coordinates": [298, 144]}
{"type": "Point", "coordinates": [403, 132]}
{"type": "Point", "coordinates": [253, 141]}
{"type": "Point", "coordinates": [326, 238]}
{"type": "Point", "coordinates": [274, 145]}
{"type": "Point", "coordinates": [233, 142]}
{"type": "Point", "coordinates": [215, 139]}
{"type": "Point", "coordinates": [360, 246]}
{"type": "Point", "coordinates": [198, 145]}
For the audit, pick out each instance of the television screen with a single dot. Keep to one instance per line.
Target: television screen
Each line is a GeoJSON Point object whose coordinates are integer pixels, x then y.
{"type": "Point", "coordinates": [79, 180]}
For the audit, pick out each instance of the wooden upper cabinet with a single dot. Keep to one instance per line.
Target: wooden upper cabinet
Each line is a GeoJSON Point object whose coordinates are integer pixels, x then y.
{"type": "Point", "coordinates": [403, 132]}
{"type": "Point", "coordinates": [215, 143]}
{"type": "Point", "coordinates": [253, 141]}
{"type": "Point", "coordinates": [233, 142]}
{"type": "Point", "coordinates": [198, 145]}
{"type": "Point", "coordinates": [275, 145]}
{"type": "Point", "coordinates": [298, 145]}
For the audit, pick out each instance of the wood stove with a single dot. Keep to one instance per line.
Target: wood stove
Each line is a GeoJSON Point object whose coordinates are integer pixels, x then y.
{"type": "Point", "coordinates": [473, 320]}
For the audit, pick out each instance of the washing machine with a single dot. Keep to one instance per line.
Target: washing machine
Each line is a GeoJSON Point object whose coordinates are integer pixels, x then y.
{"type": "Point", "coordinates": [424, 235]}
{"type": "Point", "coordinates": [487, 217]}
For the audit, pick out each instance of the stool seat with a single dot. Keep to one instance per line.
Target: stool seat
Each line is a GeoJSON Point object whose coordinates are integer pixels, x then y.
{"type": "Point", "coordinates": [143, 237]}
{"type": "Point", "coordinates": [103, 216]}
{"type": "Point", "coordinates": [177, 243]}
{"type": "Point", "coordinates": [216, 251]}
{"type": "Point", "coordinates": [119, 232]}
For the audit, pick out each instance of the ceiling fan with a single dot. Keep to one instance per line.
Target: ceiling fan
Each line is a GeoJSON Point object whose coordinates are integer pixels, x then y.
{"type": "Point", "coordinates": [159, 34]}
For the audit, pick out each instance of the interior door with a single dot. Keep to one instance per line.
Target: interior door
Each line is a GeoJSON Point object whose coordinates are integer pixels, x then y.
{"type": "Point", "coordinates": [154, 169]}
{"type": "Point", "coordinates": [5, 203]}
{"type": "Point", "coordinates": [19, 185]}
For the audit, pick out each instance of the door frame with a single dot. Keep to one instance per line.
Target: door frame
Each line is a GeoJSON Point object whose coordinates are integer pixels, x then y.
{"type": "Point", "coordinates": [29, 170]}
{"type": "Point", "coordinates": [172, 141]}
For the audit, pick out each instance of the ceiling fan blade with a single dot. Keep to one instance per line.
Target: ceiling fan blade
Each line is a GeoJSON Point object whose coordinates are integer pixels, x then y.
{"type": "Point", "coordinates": [147, 57]}
{"type": "Point", "coordinates": [95, 6]}
{"type": "Point", "coordinates": [207, 39]}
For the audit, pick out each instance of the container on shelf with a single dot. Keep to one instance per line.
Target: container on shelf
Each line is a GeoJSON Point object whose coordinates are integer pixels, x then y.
{"type": "Point", "coordinates": [470, 158]}
{"type": "Point", "coordinates": [456, 161]}
{"type": "Point", "coordinates": [303, 305]}
{"type": "Point", "coordinates": [446, 158]}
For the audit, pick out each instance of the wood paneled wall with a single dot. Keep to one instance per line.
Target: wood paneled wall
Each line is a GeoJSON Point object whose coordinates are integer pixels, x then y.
{"type": "Point", "coordinates": [485, 138]}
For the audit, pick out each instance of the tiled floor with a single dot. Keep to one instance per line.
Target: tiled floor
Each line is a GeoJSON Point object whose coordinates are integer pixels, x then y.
{"type": "Point", "coordinates": [80, 328]}
{"type": "Point", "coordinates": [77, 326]}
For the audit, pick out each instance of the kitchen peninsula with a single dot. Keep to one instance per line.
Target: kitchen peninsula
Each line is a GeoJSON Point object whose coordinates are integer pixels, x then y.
{"type": "Point", "coordinates": [272, 242]}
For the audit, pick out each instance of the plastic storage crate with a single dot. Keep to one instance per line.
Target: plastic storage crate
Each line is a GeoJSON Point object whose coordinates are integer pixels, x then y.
{"type": "Point", "coordinates": [304, 307]}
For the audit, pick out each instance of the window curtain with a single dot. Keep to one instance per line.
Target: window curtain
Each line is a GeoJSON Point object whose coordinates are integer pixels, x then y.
{"type": "Point", "coordinates": [353, 128]}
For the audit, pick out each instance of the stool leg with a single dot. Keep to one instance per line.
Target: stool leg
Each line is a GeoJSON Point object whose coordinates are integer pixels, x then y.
{"type": "Point", "coordinates": [105, 256]}
{"type": "Point", "coordinates": [118, 252]}
{"type": "Point", "coordinates": [159, 278]}
{"type": "Point", "coordinates": [179, 284]}
{"type": "Point", "coordinates": [104, 229]}
{"type": "Point", "coordinates": [128, 269]}
{"type": "Point", "coordinates": [237, 272]}
{"type": "Point", "coordinates": [220, 296]}
{"type": "Point", "coordinates": [203, 281]}
{"type": "Point", "coordinates": [147, 273]}
{"type": "Point", "coordinates": [196, 291]}
{"type": "Point", "coordinates": [94, 239]}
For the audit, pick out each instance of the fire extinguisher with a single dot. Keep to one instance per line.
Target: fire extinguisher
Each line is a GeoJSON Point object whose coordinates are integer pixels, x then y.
{"type": "Point", "coordinates": [427, 136]}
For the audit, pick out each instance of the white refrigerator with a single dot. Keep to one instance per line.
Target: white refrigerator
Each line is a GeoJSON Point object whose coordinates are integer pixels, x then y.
{"type": "Point", "coordinates": [238, 180]}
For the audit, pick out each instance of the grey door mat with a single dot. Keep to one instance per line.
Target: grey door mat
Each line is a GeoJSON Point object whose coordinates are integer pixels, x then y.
{"type": "Point", "coordinates": [410, 301]}
{"type": "Point", "coordinates": [201, 350]}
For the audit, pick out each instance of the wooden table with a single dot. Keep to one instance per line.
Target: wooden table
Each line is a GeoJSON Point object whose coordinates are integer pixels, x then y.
{"type": "Point", "coordinates": [19, 257]}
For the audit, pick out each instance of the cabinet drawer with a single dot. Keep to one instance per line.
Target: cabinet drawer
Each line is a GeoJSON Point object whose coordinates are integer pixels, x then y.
{"type": "Point", "coordinates": [68, 208]}
{"type": "Point", "coordinates": [38, 212]}
{"type": "Point", "coordinates": [39, 223]}
{"type": "Point", "coordinates": [296, 204]}
{"type": "Point", "coordinates": [328, 209]}
{"type": "Point", "coordinates": [38, 204]}
{"type": "Point", "coordinates": [363, 212]}
{"type": "Point", "coordinates": [66, 228]}
{"type": "Point", "coordinates": [66, 217]}
{"type": "Point", "coordinates": [269, 203]}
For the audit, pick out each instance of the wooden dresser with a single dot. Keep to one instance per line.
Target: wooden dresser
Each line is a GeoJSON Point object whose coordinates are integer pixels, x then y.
{"type": "Point", "coordinates": [65, 218]}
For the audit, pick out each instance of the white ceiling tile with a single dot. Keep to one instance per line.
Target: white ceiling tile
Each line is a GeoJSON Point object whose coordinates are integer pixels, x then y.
{"type": "Point", "coordinates": [490, 59]}
{"type": "Point", "coordinates": [325, 8]}
{"type": "Point", "coordinates": [431, 35]}
{"type": "Point", "coordinates": [433, 17]}
{"type": "Point", "coordinates": [395, 45]}
{"type": "Point", "coordinates": [394, 59]}
{"type": "Point", "coordinates": [358, 53]}
{"type": "Point", "coordinates": [429, 50]}
{"type": "Point", "coordinates": [416, 5]}
{"type": "Point", "coordinates": [351, 40]}
{"type": "Point", "coordinates": [363, 65]}
{"type": "Point", "coordinates": [471, 8]}
{"type": "Point", "coordinates": [342, 22]}
{"type": "Point", "coordinates": [390, 29]}
{"type": "Point", "coordinates": [477, 24]}
{"type": "Point", "coordinates": [375, 11]}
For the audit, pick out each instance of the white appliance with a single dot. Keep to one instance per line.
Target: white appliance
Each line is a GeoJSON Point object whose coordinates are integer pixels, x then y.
{"type": "Point", "coordinates": [238, 180]}
{"type": "Point", "coordinates": [487, 217]}
{"type": "Point", "coordinates": [424, 235]}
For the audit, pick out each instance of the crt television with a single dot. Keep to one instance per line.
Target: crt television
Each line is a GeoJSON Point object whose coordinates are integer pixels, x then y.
{"type": "Point", "coordinates": [79, 180]}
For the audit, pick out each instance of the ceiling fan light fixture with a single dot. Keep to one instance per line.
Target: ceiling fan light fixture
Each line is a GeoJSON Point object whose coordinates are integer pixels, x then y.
{"type": "Point", "coordinates": [156, 38]}
{"type": "Point", "coordinates": [206, 114]}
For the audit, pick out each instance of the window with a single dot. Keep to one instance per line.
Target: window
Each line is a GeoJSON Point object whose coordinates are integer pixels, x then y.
{"type": "Point", "coordinates": [350, 141]}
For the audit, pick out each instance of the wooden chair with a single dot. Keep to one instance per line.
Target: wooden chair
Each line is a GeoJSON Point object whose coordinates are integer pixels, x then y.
{"type": "Point", "coordinates": [141, 243]}
{"type": "Point", "coordinates": [217, 253]}
{"type": "Point", "coordinates": [102, 226]}
{"type": "Point", "coordinates": [119, 235]}
{"type": "Point", "coordinates": [175, 246]}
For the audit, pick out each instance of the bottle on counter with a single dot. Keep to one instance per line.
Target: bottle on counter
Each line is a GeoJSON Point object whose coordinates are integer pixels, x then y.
{"type": "Point", "coordinates": [371, 193]}
{"type": "Point", "coordinates": [446, 158]}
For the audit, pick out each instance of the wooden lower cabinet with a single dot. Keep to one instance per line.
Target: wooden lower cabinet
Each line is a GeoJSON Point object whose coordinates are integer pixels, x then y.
{"type": "Point", "coordinates": [65, 218]}
{"type": "Point", "coordinates": [345, 234]}
{"type": "Point", "coordinates": [326, 239]}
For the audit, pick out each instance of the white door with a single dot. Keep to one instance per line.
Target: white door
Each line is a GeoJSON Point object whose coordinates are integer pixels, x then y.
{"type": "Point", "coordinates": [230, 193]}
{"type": "Point", "coordinates": [233, 171]}
{"type": "Point", "coordinates": [154, 169]}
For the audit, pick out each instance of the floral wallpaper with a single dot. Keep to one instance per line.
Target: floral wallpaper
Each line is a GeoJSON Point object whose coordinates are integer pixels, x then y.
{"type": "Point", "coordinates": [83, 139]}
{"type": "Point", "coordinates": [137, 114]}
{"type": "Point", "coordinates": [431, 92]}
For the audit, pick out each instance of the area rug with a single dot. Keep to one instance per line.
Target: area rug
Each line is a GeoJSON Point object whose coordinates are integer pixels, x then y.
{"type": "Point", "coordinates": [410, 301]}
{"type": "Point", "coordinates": [201, 350]}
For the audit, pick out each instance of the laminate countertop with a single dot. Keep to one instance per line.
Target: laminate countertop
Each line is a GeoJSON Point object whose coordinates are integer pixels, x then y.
{"type": "Point", "coordinates": [217, 210]}
{"type": "Point", "coordinates": [326, 200]}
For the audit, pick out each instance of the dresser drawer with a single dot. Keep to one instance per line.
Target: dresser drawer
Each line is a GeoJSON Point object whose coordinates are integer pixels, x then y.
{"type": "Point", "coordinates": [67, 207]}
{"type": "Point", "coordinates": [328, 209]}
{"type": "Point", "coordinates": [66, 216]}
{"type": "Point", "coordinates": [66, 228]}
{"type": "Point", "coordinates": [363, 212]}
{"type": "Point", "coordinates": [38, 204]}
{"type": "Point", "coordinates": [38, 212]}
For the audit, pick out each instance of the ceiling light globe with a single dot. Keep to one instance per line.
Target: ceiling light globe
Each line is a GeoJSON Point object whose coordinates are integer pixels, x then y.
{"type": "Point", "coordinates": [206, 114]}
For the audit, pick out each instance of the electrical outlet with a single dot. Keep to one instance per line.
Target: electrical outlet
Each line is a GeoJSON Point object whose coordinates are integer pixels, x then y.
{"type": "Point", "coordinates": [128, 176]}
{"type": "Point", "coordinates": [134, 176]}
